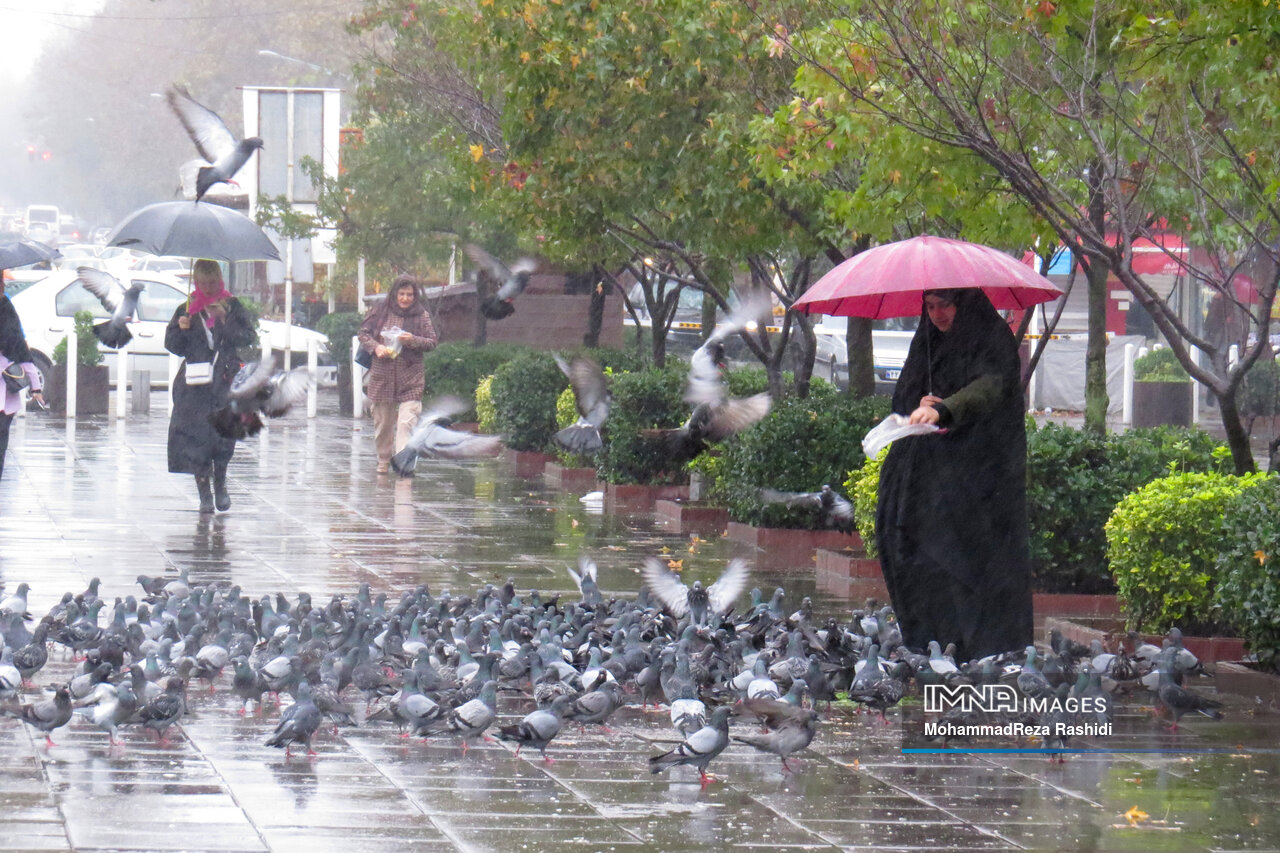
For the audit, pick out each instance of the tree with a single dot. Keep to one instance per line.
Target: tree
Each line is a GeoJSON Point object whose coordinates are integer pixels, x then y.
{"type": "Point", "coordinates": [1108, 120]}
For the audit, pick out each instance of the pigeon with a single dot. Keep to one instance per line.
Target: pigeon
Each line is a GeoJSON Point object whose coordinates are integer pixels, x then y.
{"type": "Point", "coordinates": [596, 706]}
{"type": "Point", "coordinates": [121, 302]}
{"type": "Point", "coordinates": [470, 719]}
{"type": "Point", "coordinates": [538, 728]}
{"type": "Point", "coordinates": [702, 604]}
{"type": "Point", "coordinates": [113, 711]}
{"type": "Point", "coordinates": [432, 437]}
{"type": "Point", "coordinates": [212, 139]}
{"type": "Point", "coordinates": [164, 710]}
{"type": "Point", "coordinates": [45, 715]}
{"type": "Point", "coordinates": [511, 282]}
{"type": "Point", "coordinates": [1178, 700]}
{"type": "Point", "coordinates": [259, 389]}
{"type": "Point", "coordinates": [298, 723]}
{"type": "Point", "coordinates": [585, 580]}
{"type": "Point", "coordinates": [834, 510]}
{"type": "Point", "coordinates": [699, 748]}
{"type": "Point", "coordinates": [16, 604]}
{"type": "Point", "coordinates": [791, 729]}
{"type": "Point", "coordinates": [592, 398]}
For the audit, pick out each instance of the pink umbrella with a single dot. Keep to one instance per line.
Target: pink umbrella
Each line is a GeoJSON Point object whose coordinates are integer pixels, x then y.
{"type": "Point", "coordinates": [889, 280]}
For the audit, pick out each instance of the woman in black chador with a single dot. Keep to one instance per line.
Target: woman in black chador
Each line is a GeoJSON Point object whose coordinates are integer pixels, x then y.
{"type": "Point", "coordinates": [951, 522]}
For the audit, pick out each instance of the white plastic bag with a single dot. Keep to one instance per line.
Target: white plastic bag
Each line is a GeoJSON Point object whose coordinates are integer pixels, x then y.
{"type": "Point", "coordinates": [889, 430]}
{"type": "Point", "coordinates": [391, 339]}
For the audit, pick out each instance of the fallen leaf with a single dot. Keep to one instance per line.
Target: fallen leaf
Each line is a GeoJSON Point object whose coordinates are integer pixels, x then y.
{"type": "Point", "coordinates": [1135, 816]}
{"type": "Point", "coordinates": [675, 565]}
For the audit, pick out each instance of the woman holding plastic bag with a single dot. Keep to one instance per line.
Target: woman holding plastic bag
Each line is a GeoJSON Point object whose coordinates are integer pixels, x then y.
{"type": "Point", "coordinates": [951, 521]}
{"type": "Point", "coordinates": [398, 333]}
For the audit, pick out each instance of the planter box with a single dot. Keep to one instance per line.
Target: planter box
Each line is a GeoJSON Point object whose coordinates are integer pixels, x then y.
{"type": "Point", "coordinates": [1244, 680]}
{"type": "Point", "coordinates": [853, 589]}
{"type": "Point", "coordinates": [93, 389]}
{"type": "Point", "coordinates": [640, 498]}
{"type": "Point", "coordinates": [570, 479]}
{"type": "Point", "coordinates": [786, 537]}
{"type": "Point", "coordinates": [848, 563]}
{"type": "Point", "coordinates": [527, 463]}
{"type": "Point", "coordinates": [691, 516]}
{"type": "Point", "coordinates": [1111, 632]}
{"type": "Point", "coordinates": [1157, 403]}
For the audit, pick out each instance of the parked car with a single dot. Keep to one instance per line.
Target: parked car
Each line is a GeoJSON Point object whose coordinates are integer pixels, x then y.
{"type": "Point", "coordinates": [180, 267]}
{"type": "Point", "coordinates": [889, 347]}
{"type": "Point", "coordinates": [48, 305]}
{"type": "Point", "coordinates": [99, 235]}
{"type": "Point", "coordinates": [42, 232]}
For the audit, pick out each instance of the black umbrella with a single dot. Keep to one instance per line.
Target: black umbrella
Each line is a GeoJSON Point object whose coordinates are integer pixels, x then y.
{"type": "Point", "coordinates": [194, 230]}
{"type": "Point", "coordinates": [19, 253]}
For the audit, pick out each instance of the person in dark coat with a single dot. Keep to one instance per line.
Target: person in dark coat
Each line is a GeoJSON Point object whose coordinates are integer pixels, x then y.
{"type": "Point", "coordinates": [13, 350]}
{"type": "Point", "coordinates": [951, 521]}
{"type": "Point", "coordinates": [209, 328]}
{"type": "Point", "coordinates": [396, 381]}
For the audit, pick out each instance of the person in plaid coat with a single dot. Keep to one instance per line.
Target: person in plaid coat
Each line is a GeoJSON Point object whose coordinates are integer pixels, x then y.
{"type": "Point", "coordinates": [395, 383]}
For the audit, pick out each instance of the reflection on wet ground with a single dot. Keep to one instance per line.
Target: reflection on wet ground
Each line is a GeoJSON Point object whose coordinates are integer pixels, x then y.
{"type": "Point", "coordinates": [309, 514]}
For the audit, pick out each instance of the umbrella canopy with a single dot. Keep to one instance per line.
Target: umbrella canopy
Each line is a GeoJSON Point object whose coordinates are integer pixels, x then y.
{"type": "Point", "coordinates": [19, 253]}
{"type": "Point", "coordinates": [889, 280]}
{"type": "Point", "coordinates": [194, 230]}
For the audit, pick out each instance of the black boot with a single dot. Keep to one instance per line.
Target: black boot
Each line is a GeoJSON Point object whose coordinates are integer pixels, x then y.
{"type": "Point", "coordinates": [206, 494]}
{"type": "Point", "coordinates": [220, 495]}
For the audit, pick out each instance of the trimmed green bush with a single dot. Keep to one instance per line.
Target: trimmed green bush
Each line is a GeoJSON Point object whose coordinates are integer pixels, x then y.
{"type": "Point", "coordinates": [456, 368]}
{"type": "Point", "coordinates": [340, 328]}
{"type": "Point", "coordinates": [524, 394]}
{"type": "Point", "coordinates": [1159, 365]}
{"type": "Point", "coordinates": [1248, 569]}
{"type": "Point", "coordinates": [652, 398]}
{"type": "Point", "coordinates": [801, 446]}
{"type": "Point", "coordinates": [1162, 545]}
{"type": "Point", "coordinates": [87, 352]}
{"type": "Point", "coordinates": [863, 488]}
{"type": "Point", "coordinates": [486, 414]}
{"type": "Point", "coordinates": [1075, 478]}
{"type": "Point", "coordinates": [1260, 391]}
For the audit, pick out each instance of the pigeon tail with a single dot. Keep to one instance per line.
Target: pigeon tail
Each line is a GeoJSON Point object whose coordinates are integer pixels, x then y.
{"type": "Point", "coordinates": [111, 335]}
{"type": "Point", "coordinates": [404, 462]}
{"type": "Point", "coordinates": [497, 309]}
{"type": "Point", "coordinates": [580, 438]}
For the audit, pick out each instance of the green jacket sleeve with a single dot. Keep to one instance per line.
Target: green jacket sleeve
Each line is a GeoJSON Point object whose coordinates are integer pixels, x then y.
{"type": "Point", "coordinates": [972, 402]}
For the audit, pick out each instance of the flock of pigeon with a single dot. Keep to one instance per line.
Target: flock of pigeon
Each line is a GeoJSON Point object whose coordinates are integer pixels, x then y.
{"type": "Point", "coordinates": [434, 665]}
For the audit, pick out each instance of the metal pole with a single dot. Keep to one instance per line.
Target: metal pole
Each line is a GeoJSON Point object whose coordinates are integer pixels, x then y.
{"type": "Point", "coordinates": [313, 361]}
{"type": "Point", "coordinates": [453, 264]}
{"type": "Point", "coordinates": [288, 246]}
{"type": "Point", "coordinates": [73, 364]}
{"type": "Point", "coordinates": [360, 286]}
{"type": "Point", "coordinates": [122, 379]}
{"type": "Point", "coordinates": [1126, 408]}
{"type": "Point", "coordinates": [357, 381]}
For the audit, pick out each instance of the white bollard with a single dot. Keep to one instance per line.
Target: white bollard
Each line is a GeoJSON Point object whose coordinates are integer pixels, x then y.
{"type": "Point", "coordinates": [313, 362]}
{"type": "Point", "coordinates": [1130, 353]}
{"type": "Point", "coordinates": [73, 363]}
{"type": "Point", "coordinates": [265, 343]}
{"type": "Point", "coordinates": [175, 364]}
{"type": "Point", "coordinates": [357, 382]}
{"type": "Point", "coordinates": [122, 380]}
{"type": "Point", "coordinates": [1233, 356]}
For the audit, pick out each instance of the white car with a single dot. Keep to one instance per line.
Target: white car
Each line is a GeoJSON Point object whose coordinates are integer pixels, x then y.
{"type": "Point", "coordinates": [889, 352]}
{"type": "Point", "coordinates": [47, 307]}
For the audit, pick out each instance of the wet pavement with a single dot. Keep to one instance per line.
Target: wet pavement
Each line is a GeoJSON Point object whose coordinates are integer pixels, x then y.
{"type": "Point", "coordinates": [93, 498]}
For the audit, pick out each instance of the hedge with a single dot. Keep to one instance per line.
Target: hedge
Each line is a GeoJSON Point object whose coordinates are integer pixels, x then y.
{"type": "Point", "coordinates": [1248, 569]}
{"type": "Point", "coordinates": [456, 368]}
{"type": "Point", "coordinates": [524, 392]}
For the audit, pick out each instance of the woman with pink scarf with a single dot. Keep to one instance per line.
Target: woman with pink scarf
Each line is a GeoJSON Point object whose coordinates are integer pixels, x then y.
{"type": "Point", "coordinates": [206, 332]}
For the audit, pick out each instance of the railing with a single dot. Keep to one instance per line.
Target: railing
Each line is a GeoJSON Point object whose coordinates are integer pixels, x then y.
{"type": "Point", "coordinates": [122, 380]}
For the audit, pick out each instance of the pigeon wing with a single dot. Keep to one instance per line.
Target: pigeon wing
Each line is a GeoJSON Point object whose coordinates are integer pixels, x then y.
{"type": "Point", "coordinates": [590, 390]}
{"type": "Point", "coordinates": [252, 378]}
{"type": "Point", "coordinates": [669, 589]}
{"type": "Point", "coordinates": [725, 591]}
{"type": "Point", "coordinates": [792, 499]}
{"type": "Point", "coordinates": [736, 415]}
{"type": "Point", "coordinates": [209, 133]}
{"type": "Point", "coordinates": [453, 444]}
{"type": "Point", "coordinates": [101, 284]}
{"type": "Point", "coordinates": [288, 389]}
{"type": "Point", "coordinates": [496, 268]}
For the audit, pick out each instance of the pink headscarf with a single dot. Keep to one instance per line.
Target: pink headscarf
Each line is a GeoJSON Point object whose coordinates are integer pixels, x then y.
{"type": "Point", "coordinates": [198, 301]}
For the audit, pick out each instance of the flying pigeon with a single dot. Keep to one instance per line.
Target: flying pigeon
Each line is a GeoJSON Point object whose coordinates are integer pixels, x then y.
{"type": "Point", "coordinates": [834, 509]}
{"type": "Point", "coordinates": [215, 143]}
{"type": "Point", "coordinates": [432, 437]}
{"type": "Point", "coordinates": [715, 414]}
{"type": "Point", "coordinates": [115, 332]}
{"type": "Point", "coordinates": [259, 389]}
{"type": "Point", "coordinates": [511, 282]}
{"type": "Point", "coordinates": [592, 398]}
{"type": "Point", "coordinates": [585, 580]}
{"type": "Point", "coordinates": [703, 604]}
{"type": "Point", "coordinates": [699, 748]}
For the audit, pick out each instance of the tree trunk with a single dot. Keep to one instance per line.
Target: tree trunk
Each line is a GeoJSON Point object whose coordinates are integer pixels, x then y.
{"type": "Point", "coordinates": [595, 318]}
{"type": "Point", "coordinates": [861, 352]}
{"type": "Point", "coordinates": [1095, 357]}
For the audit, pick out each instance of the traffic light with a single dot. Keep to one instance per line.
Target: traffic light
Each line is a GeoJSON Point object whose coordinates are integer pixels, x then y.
{"type": "Point", "coordinates": [31, 152]}
{"type": "Point", "coordinates": [45, 156]}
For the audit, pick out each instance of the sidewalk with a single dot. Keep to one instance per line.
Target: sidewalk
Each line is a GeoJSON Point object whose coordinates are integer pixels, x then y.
{"type": "Point", "coordinates": [94, 498]}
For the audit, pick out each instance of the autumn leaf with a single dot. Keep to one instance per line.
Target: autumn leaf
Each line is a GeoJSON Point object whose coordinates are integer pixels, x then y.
{"type": "Point", "coordinates": [1135, 816]}
{"type": "Point", "coordinates": [1260, 556]}
{"type": "Point", "coordinates": [675, 565]}
{"type": "Point", "coordinates": [477, 151]}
